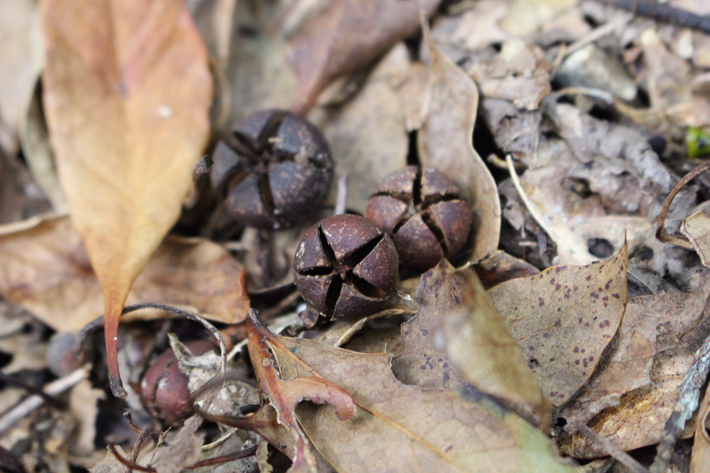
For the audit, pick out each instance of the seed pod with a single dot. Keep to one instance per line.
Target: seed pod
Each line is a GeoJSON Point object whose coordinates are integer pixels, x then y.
{"type": "Point", "coordinates": [274, 170]}
{"type": "Point", "coordinates": [345, 267]}
{"type": "Point", "coordinates": [424, 213]}
{"type": "Point", "coordinates": [164, 389]}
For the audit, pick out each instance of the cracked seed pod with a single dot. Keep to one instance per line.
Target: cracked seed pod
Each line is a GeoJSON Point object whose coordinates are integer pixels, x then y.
{"type": "Point", "coordinates": [345, 267]}
{"type": "Point", "coordinates": [424, 213]}
{"type": "Point", "coordinates": [274, 170]}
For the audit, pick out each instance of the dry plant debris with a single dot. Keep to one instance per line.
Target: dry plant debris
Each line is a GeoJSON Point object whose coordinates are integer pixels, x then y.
{"type": "Point", "coordinates": [571, 333]}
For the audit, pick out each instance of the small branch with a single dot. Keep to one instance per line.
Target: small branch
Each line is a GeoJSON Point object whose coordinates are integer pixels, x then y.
{"type": "Point", "coordinates": [618, 454]}
{"type": "Point", "coordinates": [34, 401]}
{"type": "Point", "coordinates": [662, 12]}
{"type": "Point", "coordinates": [247, 452]}
{"type": "Point", "coordinates": [688, 398]}
{"type": "Point", "coordinates": [341, 202]}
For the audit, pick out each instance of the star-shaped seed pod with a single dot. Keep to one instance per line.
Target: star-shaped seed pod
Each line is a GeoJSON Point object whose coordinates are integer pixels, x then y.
{"type": "Point", "coordinates": [345, 267]}
{"type": "Point", "coordinates": [424, 213]}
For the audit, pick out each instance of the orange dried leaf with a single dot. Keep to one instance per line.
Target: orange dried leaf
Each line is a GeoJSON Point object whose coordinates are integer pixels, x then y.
{"type": "Point", "coordinates": [45, 268]}
{"type": "Point", "coordinates": [127, 91]}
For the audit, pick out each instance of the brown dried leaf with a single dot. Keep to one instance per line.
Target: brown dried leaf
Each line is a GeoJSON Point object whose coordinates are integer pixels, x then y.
{"type": "Point", "coordinates": [110, 464]}
{"type": "Point", "coordinates": [564, 318]}
{"type": "Point", "coordinates": [366, 132]}
{"type": "Point", "coordinates": [519, 73]}
{"type": "Point", "coordinates": [445, 144]}
{"type": "Point", "coordinates": [500, 267]}
{"type": "Point", "coordinates": [697, 229]}
{"type": "Point", "coordinates": [648, 323]}
{"type": "Point", "coordinates": [347, 36]}
{"type": "Point", "coordinates": [127, 108]}
{"type": "Point", "coordinates": [477, 346]}
{"type": "Point", "coordinates": [417, 430]}
{"type": "Point", "coordinates": [45, 268]}
{"type": "Point", "coordinates": [641, 415]}
{"type": "Point", "coordinates": [182, 450]}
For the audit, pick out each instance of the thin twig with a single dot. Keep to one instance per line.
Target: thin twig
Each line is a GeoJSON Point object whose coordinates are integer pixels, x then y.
{"type": "Point", "coordinates": [34, 401]}
{"type": "Point", "coordinates": [662, 12]}
{"type": "Point", "coordinates": [341, 202]}
{"type": "Point", "coordinates": [12, 381]}
{"type": "Point", "coordinates": [247, 452]}
{"type": "Point", "coordinates": [688, 398]}
{"type": "Point", "coordinates": [532, 208]}
{"type": "Point", "coordinates": [618, 454]}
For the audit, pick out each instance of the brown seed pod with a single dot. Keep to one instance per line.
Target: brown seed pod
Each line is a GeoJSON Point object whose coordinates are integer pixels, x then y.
{"type": "Point", "coordinates": [164, 389]}
{"type": "Point", "coordinates": [422, 210]}
{"type": "Point", "coordinates": [345, 266]}
{"type": "Point", "coordinates": [274, 169]}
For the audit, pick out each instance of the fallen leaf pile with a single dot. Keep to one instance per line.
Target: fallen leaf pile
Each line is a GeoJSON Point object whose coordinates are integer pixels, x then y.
{"type": "Point", "coordinates": [571, 334]}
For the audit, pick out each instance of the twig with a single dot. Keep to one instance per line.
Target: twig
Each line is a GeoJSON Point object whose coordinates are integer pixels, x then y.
{"type": "Point", "coordinates": [594, 35]}
{"type": "Point", "coordinates": [688, 398]}
{"type": "Point", "coordinates": [662, 12]}
{"type": "Point", "coordinates": [618, 454]}
{"type": "Point", "coordinates": [341, 202]}
{"type": "Point", "coordinates": [34, 401]}
{"type": "Point", "coordinates": [532, 208]}
{"type": "Point", "coordinates": [12, 381]}
{"type": "Point", "coordinates": [247, 452]}
{"type": "Point", "coordinates": [661, 232]}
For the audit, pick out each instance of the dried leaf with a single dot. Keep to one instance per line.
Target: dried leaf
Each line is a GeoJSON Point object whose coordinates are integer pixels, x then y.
{"type": "Point", "coordinates": [366, 132]}
{"type": "Point", "coordinates": [700, 458]}
{"type": "Point", "coordinates": [519, 73]}
{"type": "Point", "coordinates": [45, 268]}
{"type": "Point", "coordinates": [445, 144]}
{"type": "Point", "coordinates": [564, 318]}
{"type": "Point", "coordinates": [474, 344]}
{"type": "Point", "coordinates": [127, 108]}
{"type": "Point", "coordinates": [525, 16]}
{"type": "Point", "coordinates": [20, 64]}
{"type": "Point", "coordinates": [697, 229]}
{"type": "Point", "coordinates": [648, 323]}
{"type": "Point", "coordinates": [417, 430]}
{"type": "Point", "coordinates": [500, 267]}
{"type": "Point", "coordinates": [110, 464]}
{"type": "Point", "coordinates": [182, 450]}
{"type": "Point", "coordinates": [284, 395]}
{"type": "Point", "coordinates": [347, 36]}
{"type": "Point", "coordinates": [84, 405]}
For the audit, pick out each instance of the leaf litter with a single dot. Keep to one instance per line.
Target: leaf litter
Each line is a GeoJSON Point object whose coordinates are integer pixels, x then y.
{"type": "Point", "coordinates": [595, 111]}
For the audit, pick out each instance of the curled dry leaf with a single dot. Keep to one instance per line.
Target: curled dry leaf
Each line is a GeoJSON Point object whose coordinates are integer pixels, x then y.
{"type": "Point", "coordinates": [417, 430]}
{"type": "Point", "coordinates": [127, 108]}
{"type": "Point", "coordinates": [347, 36]}
{"type": "Point", "coordinates": [477, 347]}
{"type": "Point", "coordinates": [46, 269]}
{"type": "Point", "coordinates": [518, 73]}
{"type": "Point", "coordinates": [697, 229]}
{"type": "Point", "coordinates": [285, 394]}
{"type": "Point", "coordinates": [445, 144]}
{"type": "Point", "coordinates": [564, 318]}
